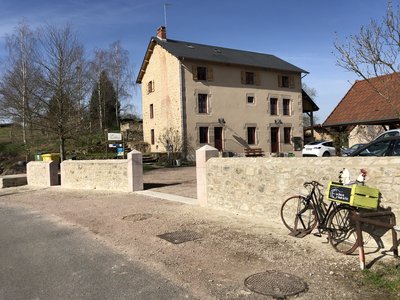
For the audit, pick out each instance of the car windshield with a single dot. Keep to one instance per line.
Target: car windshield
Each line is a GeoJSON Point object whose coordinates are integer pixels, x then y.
{"type": "Point", "coordinates": [388, 134]}
{"type": "Point", "coordinates": [376, 149]}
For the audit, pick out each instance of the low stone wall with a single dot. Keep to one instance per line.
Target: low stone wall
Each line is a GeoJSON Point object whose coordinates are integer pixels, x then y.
{"type": "Point", "coordinates": [125, 175]}
{"type": "Point", "coordinates": [42, 173]}
{"type": "Point", "coordinates": [108, 174]}
{"type": "Point", "coordinates": [258, 186]}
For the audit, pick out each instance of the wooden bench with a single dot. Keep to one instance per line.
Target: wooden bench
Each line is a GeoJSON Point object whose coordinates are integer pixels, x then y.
{"type": "Point", "coordinates": [253, 152]}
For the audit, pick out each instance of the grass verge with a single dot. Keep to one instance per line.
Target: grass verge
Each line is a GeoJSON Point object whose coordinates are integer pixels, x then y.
{"type": "Point", "coordinates": [386, 278]}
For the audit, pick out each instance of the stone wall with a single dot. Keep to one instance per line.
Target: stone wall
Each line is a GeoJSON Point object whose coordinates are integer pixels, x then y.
{"type": "Point", "coordinates": [95, 174]}
{"type": "Point", "coordinates": [125, 175]}
{"type": "Point", "coordinates": [42, 173]}
{"type": "Point", "coordinates": [258, 186]}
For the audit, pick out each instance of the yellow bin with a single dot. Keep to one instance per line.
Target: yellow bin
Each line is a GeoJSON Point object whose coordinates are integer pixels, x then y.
{"type": "Point", "coordinates": [51, 157]}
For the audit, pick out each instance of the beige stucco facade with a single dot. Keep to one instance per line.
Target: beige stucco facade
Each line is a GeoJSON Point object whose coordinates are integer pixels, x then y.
{"type": "Point", "coordinates": [170, 94]}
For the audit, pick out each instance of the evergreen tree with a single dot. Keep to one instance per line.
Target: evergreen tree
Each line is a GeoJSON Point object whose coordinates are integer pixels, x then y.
{"type": "Point", "coordinates": [102, 104]}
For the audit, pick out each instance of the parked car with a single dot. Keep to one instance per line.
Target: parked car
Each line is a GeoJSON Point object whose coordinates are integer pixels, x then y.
{"type": "Point", "coordinates": [319, 148]}
{"type": "Point", "coordinates": [389, 146]}
{"type": "Point", "coordinates": [348, 151]}
{"type": "Point", "coordinates": [389, 133]}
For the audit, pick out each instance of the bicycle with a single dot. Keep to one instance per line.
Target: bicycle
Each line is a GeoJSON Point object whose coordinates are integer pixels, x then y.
{"type": "Point", "coordinates": [300, 214]}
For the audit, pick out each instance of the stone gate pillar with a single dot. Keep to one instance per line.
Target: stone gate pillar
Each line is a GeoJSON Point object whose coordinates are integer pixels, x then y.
{"type": "Point", "coordinates": [202, 155]}
{"type": "Point", "coordinates": [135, 171]}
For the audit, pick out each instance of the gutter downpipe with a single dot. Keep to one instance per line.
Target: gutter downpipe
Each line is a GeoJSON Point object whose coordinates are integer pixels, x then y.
{"type": "Point", "coordinates": [183, 109]}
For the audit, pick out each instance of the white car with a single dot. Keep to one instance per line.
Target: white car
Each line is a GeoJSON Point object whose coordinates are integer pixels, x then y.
{"type": "Point", "coordinates": [389, 133]}
{"type": "Point", "coordinates": [319, 148]}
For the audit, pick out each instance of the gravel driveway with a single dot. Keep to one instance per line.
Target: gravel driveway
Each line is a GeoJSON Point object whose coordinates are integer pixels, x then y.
{"type": "Point", "coordinates": [225, 250]}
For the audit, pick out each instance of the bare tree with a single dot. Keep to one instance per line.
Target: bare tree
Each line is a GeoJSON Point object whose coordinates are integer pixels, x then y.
{"type": "Point", "coordinates": [373, 52]}
{"type": "Point", "coordinates": [60, 59]}
{"type": "Point", "coordinates": [120, 74]}
{"type": "Point", "coordinates": [18, 87]}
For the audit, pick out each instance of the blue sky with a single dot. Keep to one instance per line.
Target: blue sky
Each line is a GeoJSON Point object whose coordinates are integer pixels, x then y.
{"type": "Point", "coordinates": [300, 32]}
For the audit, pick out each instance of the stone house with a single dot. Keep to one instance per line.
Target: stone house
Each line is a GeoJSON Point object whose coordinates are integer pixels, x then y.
{"type": "Point", "coordinates": [229, 99]}
{"type": "Point", "coordinates": [369, 108]}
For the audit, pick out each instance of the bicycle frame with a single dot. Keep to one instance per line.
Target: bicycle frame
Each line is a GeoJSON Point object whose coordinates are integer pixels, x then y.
{"type": "Point", "coordinates": [321, 211]}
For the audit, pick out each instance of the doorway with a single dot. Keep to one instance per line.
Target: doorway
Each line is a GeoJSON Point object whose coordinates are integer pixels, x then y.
{"type": "Point", "coordinates": [274, 139]}
{"type": "Point", "coordinates": [218, 138]}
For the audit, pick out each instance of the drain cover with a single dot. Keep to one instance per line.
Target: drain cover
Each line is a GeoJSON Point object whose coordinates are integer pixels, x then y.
{"type": "Point", "coordinates": [275, 284]}
{"type": "Point", "coordinates": [178, 237]}
{"type": "Point", "coordinates": [136, 217]}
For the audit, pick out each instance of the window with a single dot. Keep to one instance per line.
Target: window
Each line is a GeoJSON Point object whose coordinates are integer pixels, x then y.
{"type": "Point", "coordinates": [286, 135]}
{"type": "Point", "coordinates": [150, 87]}
{"type": "Point", "coordinates": [151, 111]}
{"type": "Point", "coordinates": [286, 81]}
{"type": "Point", "coordinates": [273, 105]}
{"type": "Point", "coordinates": [249, 78]}
{"type": "Point", "coordinates": [203, 135]}
{"type": "Point", "coordinates": [201, 73]}
{"type": "Point", "coordinates": [250, 99]}
{"type": "Point", "coordinates": [286, 107]}
{"type": "Point", "coordinates": [152, 139]}
{"type": "Point", "coordinates": [379, 148]}
{"type": "Point", "coordinates": [202, 103]}
{"type": "Point", "coordinates": [251, 135]}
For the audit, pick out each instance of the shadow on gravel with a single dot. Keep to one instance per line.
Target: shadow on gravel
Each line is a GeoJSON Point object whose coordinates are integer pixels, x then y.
{"type": "Point", "coordinates": [20, 192]}
{"type": "Point", "coordinates": [149, 186]}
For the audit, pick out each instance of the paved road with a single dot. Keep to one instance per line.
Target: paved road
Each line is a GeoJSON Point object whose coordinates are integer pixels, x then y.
{"type": "Point", "coordinates": [40, 259]}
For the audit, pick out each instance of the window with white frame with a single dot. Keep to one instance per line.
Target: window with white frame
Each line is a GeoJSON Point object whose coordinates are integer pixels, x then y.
{"type": "Point", "coordinates": [273, 106]}
{"type": "Point", "coordinates": [202, 103]}
{"type": "Point", "coordinates": [286, 107]}
{"type": "Point", "coordinates": [250, 99]}
{"type": "Point", "coordinates": [251, 135]}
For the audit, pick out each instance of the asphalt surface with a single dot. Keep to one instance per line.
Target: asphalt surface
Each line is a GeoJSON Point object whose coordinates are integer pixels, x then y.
{"type": "Point", "coordinates": [40, 259]}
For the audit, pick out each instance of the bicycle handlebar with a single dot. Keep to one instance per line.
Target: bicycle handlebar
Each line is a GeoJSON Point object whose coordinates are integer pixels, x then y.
{"type": "Point", "coordinates": [313, 183]}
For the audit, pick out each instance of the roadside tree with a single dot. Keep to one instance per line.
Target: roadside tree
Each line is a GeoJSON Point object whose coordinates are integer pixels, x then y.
{"type": "Point", "coordinates": [373, 52]}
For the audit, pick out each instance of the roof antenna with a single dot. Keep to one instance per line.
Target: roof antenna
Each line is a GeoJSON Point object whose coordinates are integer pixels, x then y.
{"type": "Point", "coordinates": [165, 13]}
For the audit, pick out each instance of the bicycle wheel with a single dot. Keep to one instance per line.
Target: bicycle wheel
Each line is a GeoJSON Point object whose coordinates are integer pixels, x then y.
{"type": "Point", "coordinates": [341, 230]}
{"type": "Point", "coordinates": [298, 215]}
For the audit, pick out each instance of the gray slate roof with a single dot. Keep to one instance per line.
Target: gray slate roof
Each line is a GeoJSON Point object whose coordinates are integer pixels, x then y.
{"type": "Point", "coordinates": [190, 50]}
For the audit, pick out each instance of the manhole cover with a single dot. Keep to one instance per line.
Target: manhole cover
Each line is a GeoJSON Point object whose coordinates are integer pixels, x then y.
{"type": "Point", "coordinates": [275, 284]}
{"type": "Point", "coordinates": [179, 237]}
{"type": "Point", "coordinates": [136, 217]}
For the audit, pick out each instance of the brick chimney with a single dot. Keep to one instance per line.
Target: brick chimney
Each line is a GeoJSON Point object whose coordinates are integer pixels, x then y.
{"type": "Point", "coordinates": [162, 33]}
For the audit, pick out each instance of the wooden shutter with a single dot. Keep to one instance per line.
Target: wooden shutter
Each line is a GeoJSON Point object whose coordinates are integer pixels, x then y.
{"type": "Point", "coordinates": [291, 82]}
{"type": "Point", "coordinates": [194, 71]}
{"type": "Point", "coordinates": [210, 74]}
{"type": "Point", "coordinates": [243, 77]}
{"type": "Point", "coordinates": [279, 80]}
{"type": "Point", "coordinates": [257, 79]}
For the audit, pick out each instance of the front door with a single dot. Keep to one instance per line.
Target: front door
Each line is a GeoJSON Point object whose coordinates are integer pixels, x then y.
{"type": "Point", "coordinates": [274, 139]}
{"type": "Point", "coordinates": [218, 138]}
